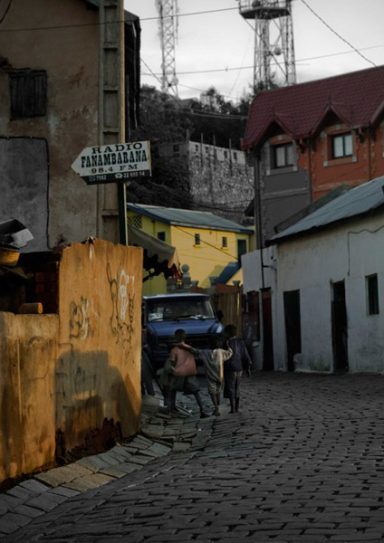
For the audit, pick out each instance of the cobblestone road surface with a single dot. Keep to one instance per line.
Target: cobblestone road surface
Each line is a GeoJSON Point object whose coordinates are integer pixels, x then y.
{"type": "Point", "coordinates": [302, 462]}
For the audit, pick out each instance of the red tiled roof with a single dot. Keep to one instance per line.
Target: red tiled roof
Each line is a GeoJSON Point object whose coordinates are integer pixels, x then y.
{"type": "Point", "coordinates": [356, 98]}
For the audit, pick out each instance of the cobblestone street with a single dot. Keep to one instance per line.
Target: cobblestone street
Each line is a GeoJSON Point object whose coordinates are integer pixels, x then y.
{"type": "Point", "coordinates": [302, 462]}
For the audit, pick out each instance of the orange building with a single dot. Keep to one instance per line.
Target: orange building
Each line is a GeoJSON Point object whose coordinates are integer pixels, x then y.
{"type": "Point", "coordinates": [309, 139]}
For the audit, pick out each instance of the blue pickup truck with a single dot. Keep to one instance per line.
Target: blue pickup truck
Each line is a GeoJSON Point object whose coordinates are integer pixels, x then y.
{"type": "Point", "coordinates": [163, 314]}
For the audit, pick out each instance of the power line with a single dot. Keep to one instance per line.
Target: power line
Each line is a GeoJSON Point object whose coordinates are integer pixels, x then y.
{"type": "Point", "coordinates": [203, 242]}
{"type": "Point", "coordinates": [192, 13]}
{"type": "Point", "coordinates": [336, 33]}
{"type": "Point", "coordinates": [248, 67]}
{"type": "Point", "coordinates": [83, 25]}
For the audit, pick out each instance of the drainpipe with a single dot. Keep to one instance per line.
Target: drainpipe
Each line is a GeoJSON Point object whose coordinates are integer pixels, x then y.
{"type": "Point", "coordinates": [369, 156]}
{"type": "Point", "coordinates": [257, 214]}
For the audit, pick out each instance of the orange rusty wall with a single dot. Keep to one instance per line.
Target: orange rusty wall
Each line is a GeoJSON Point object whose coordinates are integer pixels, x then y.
{"type": "Point", "coordinates": [98, 369]}
{"type": "Point", "coordinates": [325, 173]}
{"type": "Point", "coordinates": [28, 351]}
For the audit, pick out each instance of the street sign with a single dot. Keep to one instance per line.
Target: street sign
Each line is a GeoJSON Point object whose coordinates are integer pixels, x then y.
{"type": "Point", "coordinates": [113, 163]}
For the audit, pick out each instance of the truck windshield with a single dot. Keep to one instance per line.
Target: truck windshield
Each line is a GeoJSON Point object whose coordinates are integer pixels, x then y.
{"type": "Point", "coordinates": [166, 310]}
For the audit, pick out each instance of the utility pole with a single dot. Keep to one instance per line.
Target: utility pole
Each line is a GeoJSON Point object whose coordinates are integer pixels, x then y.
{"type": "Point", "coordinates": [111, 198]}
{"type": "Point", "coordinates": [168, 27]}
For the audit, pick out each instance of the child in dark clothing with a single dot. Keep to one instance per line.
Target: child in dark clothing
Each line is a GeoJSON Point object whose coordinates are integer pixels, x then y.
{"type": "Point", "coordinates": [233, 368]}
{"type": "Point", "coordinates": [213, 360]}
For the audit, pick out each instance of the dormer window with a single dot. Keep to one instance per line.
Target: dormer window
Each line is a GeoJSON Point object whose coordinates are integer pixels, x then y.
{"type": "Point", "coordinates": [342, 145]}
{"type": "Point", "coordinates": [282, 155]}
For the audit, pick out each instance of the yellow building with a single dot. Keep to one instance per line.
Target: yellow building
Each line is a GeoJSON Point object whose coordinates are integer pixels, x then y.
{"type": "Point", "coordinates": [209, 245]}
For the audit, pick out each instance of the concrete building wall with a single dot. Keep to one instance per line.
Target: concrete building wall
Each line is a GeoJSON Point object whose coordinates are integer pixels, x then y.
{"type": "Point", "coordinates": [25, 178]}
{"type": "Point", "coordinates": [311, 265]}
{"type": "Point", "coordinates": [221, 181]}
{"type": "Point", "coordinates": [68, 51]}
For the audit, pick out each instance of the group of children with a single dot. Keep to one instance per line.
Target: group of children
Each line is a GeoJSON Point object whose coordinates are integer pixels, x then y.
{"type": "Point", "coordinates": [223, 365]}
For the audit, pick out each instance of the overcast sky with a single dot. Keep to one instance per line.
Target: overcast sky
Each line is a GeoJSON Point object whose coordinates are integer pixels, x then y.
{"type": "Point", "coordinates": [224, 40]}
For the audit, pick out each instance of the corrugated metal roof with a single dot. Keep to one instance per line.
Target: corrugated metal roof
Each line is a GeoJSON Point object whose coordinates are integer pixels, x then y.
{"type": "Point", "coordinates": [357, 201]}
{"type": "Point", "coordinates": [188, 217]}
{"type": "Point", "coordinates": [357, 98]}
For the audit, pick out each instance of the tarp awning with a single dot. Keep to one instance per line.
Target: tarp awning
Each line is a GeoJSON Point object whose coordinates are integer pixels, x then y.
{"type": "Point", "coordinates": [158, 255]}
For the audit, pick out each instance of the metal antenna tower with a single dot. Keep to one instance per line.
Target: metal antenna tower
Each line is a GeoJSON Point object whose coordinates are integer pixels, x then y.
{"type": "Point", "coordinates": [274, 45]}
{"type": "Point", "coordinates": [168, 26]}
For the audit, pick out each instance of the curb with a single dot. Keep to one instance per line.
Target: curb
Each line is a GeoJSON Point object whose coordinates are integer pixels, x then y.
{"type": "Point", "coordinates": [160, 434]}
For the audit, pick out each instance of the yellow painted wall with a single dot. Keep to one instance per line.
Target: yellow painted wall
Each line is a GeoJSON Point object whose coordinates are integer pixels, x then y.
{"type": "Point", "coordinates": [98, 370]}
{"type": "Point", "coordinates": [204, 260]}
{"type": "Point", "coordinates": [69, 371]}
{"type": "Point", "coordinates": [28, 350]}
{"type": "Point", "coordinates": [210, 257]}
{"type": "Point", "coordinates": [157, 284]}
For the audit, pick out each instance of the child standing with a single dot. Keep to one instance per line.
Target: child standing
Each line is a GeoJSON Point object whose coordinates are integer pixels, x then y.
{"type": "Point", "coordinates": [240, 361]}
{"type": "Point", "coordinates": [183, 369]}
{"type": "Point", "coordinates": [213, 360]}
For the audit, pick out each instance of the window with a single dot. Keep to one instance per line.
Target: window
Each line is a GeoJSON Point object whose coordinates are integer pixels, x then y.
{"type": "Point", "coordinates": [28, 89]}
{"type": "Point", "coordinates": [342, 145]}
{"type": "Point", "coordinates": [282, 155]}
{"type": "Point", "coordinates": [161, 236]}
{"type": "Point", "coordinates": [372, 294]}
{"type": "Point", "coordinates": [197, 239]}
{"type": "Point", "coordinates": [136, 221]}
{"type": "Point", "coordinates": [224, 242]}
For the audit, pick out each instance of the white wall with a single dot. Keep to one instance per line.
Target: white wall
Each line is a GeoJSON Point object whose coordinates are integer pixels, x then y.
{"type": "Point", "coordinates": [347, 252]}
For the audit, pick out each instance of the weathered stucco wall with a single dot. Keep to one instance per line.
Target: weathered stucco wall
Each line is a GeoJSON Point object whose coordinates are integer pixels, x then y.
{"type": "Point", "coordinates": [98, 368]}
{"type": "Point", "coordinates": [24, 172]}
{"type": "Point", "coordinates": [64, 375]}
{"type": "Point", "coordinates": [312, 264]}
{"type": "Point", "coordinates": [68, 52]}
{"type": "Point", "coordinates": [28, 349]}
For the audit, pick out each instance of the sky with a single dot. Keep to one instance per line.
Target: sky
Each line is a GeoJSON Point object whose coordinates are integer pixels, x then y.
{"type": "Point", "coordinates": [330, 37]}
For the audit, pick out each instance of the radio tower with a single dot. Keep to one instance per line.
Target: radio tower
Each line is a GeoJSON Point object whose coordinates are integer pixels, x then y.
{"type": "Point", "coordinates": [274, 53]}
{"type": "Point", "coordinates": [168, 26]}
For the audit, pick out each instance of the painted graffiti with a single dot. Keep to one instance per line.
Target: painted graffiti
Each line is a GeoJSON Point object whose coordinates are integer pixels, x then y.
{"type": "Point", "coordinates": [123, 304]}
{"type": "Point", "coordinates": [79, 319]}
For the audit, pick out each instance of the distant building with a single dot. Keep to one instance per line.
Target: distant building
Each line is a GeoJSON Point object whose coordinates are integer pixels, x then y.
{"type": "Point", "coordinates": [220, 180]}
{"type": "Point", "coordinates": [211, 246]}
{"type": "Point", "coordinates": [310, 138]}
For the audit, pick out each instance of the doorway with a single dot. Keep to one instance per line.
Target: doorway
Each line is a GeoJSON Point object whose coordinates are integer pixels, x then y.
{"type": "Point", "coordinates": [339, 327]}
{"type": "Point", "coordinates": [292, 325]}
{"type": "Point", "coordinates": [267, 330]}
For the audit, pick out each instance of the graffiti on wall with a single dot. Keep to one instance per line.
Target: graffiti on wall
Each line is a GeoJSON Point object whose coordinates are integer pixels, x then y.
{"type": "Point", "coordinates": [79, 319]}
{"type": "Point", "coordinates": [123, 305]}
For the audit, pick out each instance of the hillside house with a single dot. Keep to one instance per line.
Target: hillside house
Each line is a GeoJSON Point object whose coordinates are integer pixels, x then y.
{"type": "Point", "coordinates": [308, 139]}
